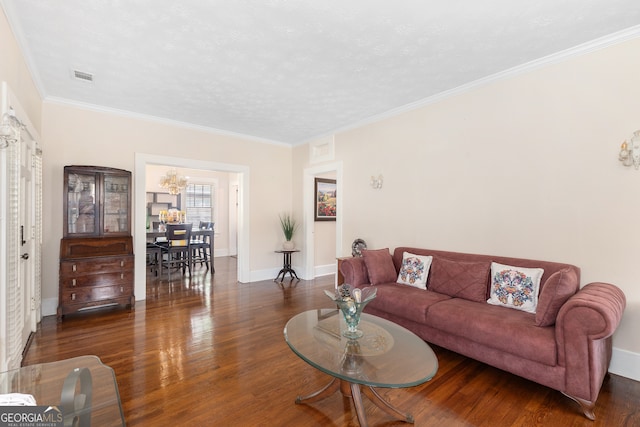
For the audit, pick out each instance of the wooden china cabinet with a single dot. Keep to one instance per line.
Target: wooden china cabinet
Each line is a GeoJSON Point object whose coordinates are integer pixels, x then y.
{"type": "Point", "coordinates": [96, 251]}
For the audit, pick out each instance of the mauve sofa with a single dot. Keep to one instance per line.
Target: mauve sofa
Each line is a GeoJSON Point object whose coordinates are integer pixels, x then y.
{"type": "Point", "coordinates": [564, 345]}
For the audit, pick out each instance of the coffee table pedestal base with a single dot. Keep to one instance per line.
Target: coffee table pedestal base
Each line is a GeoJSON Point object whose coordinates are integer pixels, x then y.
{"type": "Point", "coordinates": [354, 391]}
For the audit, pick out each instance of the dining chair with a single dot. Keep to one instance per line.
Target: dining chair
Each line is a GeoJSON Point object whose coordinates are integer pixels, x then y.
{"type": "Point", "coordinates": [154, 255]}
{"type": "Point", "coordinates": [177, 249]}
{"type": "Point", "coordinates": [201, 246]}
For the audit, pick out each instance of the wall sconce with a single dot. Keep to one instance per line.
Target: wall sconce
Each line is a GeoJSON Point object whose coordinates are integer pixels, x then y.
{"type": "Point", "coordinates": [10, 128]}
{"type": "Point", "coordinates": [376, 183]}
{"type": "Point", "coordinates": [173, 182]}
{"type": "Point", "coordinates": [630, 151]}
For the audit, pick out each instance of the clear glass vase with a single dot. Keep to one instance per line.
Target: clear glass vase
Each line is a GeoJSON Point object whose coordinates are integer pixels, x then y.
{"type": "Point", "coordinates": [351, 311]}
{"type": "Point", "coordinates": [352, 301]}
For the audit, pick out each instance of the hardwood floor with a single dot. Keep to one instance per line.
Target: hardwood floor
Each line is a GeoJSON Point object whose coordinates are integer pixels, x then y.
{"type": "Point", "coordinates": [209, 351]}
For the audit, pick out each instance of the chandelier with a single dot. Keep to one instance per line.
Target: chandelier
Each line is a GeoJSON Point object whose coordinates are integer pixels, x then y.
{"type": "Point", "coordinates": [173, 182]}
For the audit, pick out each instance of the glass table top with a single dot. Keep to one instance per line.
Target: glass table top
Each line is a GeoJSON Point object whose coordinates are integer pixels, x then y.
{"type": "Point", "coordinates": [91, 388]}
{"type": "Point", "coordinates": [387, 355]}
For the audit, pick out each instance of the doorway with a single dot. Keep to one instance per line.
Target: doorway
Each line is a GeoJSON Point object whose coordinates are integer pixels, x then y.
{"type": "Point", "coordinates": [20, 232]}
{"type": "Point", "coordinates": [309, 218]}
{"type": "Point", "coordinates": [141, 162]}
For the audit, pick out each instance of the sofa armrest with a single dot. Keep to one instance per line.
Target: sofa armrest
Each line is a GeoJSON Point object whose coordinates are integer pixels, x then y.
{"type": "Point", "coordinates": [584, 327]}
{"type": "Point", "coordinates": [354, 271]}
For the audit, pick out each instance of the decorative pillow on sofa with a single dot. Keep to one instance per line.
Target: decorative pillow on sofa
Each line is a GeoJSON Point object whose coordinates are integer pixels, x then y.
{"type": "Point", "coordinates": [460, 279]}
{"type": "Point", "coordinates": [414, 270]}
{"type": "Point", "coordinates": [379, 265]}
{"type": "Point", "coordinates": [558, 288]}
{"type": "Point", "coordinates": [515, 287]}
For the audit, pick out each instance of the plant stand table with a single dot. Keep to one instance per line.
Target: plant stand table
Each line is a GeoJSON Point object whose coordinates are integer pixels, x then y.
{"type": "Point", "coordinates": [286, 267]}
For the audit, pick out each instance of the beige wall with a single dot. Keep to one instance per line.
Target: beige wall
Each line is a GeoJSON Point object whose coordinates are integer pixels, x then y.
{"type": "Point", "coordinates": [80, 136]}
{"type": "Point", "coordinates": [14, 71]}
{"type": "Point", "coordinates": [525, 167]}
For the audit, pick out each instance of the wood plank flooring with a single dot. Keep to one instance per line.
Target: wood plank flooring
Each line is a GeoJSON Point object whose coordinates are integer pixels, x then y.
{"type": "Point", "coordinates": [208, 351]}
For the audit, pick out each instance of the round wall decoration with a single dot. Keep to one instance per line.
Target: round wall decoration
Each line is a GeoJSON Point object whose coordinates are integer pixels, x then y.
{"type": "Point", "coordinates": [357, 247]}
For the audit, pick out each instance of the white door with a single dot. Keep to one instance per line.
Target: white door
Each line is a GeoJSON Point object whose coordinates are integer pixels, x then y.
{"type": "Point", "coordinates": [27, 239]}
{"type": "Point", "coordinates": [20, 231]}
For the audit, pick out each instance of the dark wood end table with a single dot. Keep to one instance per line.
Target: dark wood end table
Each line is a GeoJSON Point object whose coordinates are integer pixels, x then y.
{"type": "Point", "coordinates": [286, 265]}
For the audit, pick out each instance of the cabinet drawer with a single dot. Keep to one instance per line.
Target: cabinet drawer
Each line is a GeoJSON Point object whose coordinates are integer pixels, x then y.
{"type": "Point", "coordinates": [105, 279]}
{"type": "Point", "coordinates": [95, 266]}
{"type": "Point", "coordinates": [94, 294]}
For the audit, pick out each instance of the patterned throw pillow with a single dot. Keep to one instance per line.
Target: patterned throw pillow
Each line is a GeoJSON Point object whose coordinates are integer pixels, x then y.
{"type": "Point", "coordinates": [414, 270]}
{"type": "Point", "coordinates": [515, 287]}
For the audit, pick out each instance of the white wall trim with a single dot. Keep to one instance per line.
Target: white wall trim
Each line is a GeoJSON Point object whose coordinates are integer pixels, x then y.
{"type": "Point", "coordinates": [625, 363]}
{"type": "Point", "coordinates": [149, 118]}
{"type": "Point", "coordinates": [50, 306]}
{"type": "Point", "coordinates": [140, 238]}
{"type": "Point", "coordinates": [325, 270]}
{"type": "Point", "coordinates": [555, 58]}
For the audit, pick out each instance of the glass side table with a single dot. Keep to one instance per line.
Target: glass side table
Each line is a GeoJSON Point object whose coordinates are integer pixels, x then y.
{"type": "Point", "coordinates": [82, 388]}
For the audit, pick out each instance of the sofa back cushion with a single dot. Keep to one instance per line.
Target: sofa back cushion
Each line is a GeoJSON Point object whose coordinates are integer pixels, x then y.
{"type": "Point", "coordinates": [555, 292]}
{"type": "Point", "coordinates": [380, 266]}
{"type": "Point", "coordinates": [548, 303]}
{"type": "Point", "coordinates": [460, 279]}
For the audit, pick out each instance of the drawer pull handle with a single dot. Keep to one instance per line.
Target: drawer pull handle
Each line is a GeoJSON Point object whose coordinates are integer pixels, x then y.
{"type": "Point", "coordinates": [121, 289]}
{"type": "Point", "coordinates": [73, 282]}
{"type": "Point", "coordinates": [73, 268]}
{"type": "Point", "coordinates": [73, 296]}
{"type": "Point", "coordinates": [121, 263]}
{"type": "Point", "coordinates": [121, 275]}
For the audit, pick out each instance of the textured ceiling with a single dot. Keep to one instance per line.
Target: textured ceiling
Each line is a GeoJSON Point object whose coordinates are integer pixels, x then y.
{"type": "Point", "coordinates": [290, 71]}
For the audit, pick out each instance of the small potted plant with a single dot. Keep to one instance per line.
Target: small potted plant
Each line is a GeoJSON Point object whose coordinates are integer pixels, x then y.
{"type": "Point", "coordinates": [289, 227]}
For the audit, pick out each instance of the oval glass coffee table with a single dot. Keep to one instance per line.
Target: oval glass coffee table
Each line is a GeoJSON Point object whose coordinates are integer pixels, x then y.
{"type": "Point", "coordinates": [387, 355]}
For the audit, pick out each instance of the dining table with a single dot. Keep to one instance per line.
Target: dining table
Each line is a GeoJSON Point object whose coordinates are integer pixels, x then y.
{"type": "Point", "coordinates": [152, 235]}
{"type": "Point", "coordinates": [205, 234]}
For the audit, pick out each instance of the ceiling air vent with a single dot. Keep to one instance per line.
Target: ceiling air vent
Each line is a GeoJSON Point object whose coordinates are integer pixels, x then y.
{"type": "Point", "coordinates": [82, 75]}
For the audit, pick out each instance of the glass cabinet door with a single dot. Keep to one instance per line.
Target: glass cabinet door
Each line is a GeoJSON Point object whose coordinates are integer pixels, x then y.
{"type": "Point", "coordinates": [97, 202]}
{"type": "Point", "coordinates": [116, 204]}
{"type": "Point", "coordinates": [81, 204]}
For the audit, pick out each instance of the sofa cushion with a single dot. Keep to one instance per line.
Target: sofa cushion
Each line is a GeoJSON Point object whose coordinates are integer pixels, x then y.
{"type": "Point", "coordinates": [379, 265]}
{"type": "Point", "coordinates": [405, 301]}
{"type": "Point", "coordinates": [515, 287]}
{"type": "Point", "coordinates": [511, 331]}
{"type": "Point", "coordinates": [556, 290]}
{"type": "Point", "coordinates": [460, 279]}
{"type": "Point", "coordinates": [414, 270]}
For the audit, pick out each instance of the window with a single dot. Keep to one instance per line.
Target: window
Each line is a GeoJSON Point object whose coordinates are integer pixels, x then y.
{"type": "Point", "coordinates": [199, 204]}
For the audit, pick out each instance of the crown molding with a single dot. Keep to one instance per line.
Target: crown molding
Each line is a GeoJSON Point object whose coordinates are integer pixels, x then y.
{"type": "Point", "coordinates": [155, 119]}
{"type": "Point", "coordinates": [555, 58]}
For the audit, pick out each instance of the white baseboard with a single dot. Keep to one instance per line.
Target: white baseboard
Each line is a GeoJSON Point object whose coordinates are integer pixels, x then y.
{"type": "Point", "coordinates": [218, 252]}
{"type": "Point", "coordinates": [324, 270]}
{"type": "Point", "coordinates": [625, 363]}
{"type": "Point", "coordinates": [49, 307]}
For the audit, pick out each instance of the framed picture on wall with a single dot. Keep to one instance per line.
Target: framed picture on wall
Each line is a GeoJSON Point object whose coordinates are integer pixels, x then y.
{"type": "Point", "coordinates": [325, 199]}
